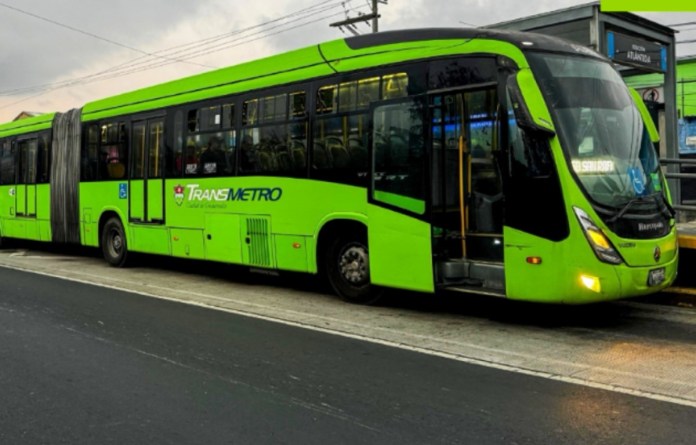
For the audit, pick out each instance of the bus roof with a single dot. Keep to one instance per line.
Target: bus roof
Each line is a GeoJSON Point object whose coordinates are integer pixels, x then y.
{"type": "Point", "coordinates": [321, 60]}
{"type": "Point", "coordinates": [316, 61]}
{"type": "Point", "coordinates": [27, 125]}
{"type": "Point", "coordinates": [523, 40]}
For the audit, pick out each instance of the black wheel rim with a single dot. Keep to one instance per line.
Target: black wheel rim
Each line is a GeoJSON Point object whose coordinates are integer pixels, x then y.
{"type": "Point", "coordinates": [353, 265]}
{"type": "Point", "coordinates": [114, 243]}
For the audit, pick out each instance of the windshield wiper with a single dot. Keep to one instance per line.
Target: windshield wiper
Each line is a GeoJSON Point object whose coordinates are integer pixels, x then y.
{"type": "Point", "coordinates": [670, 210]}
{"type": "Point", "coordinates": [665, 206]}
{"type": "Point", "coordinates": [625, 208]}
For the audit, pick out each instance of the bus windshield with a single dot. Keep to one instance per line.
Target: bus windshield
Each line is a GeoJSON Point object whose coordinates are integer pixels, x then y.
{"type": "Point", "coordinates": [600, 128]}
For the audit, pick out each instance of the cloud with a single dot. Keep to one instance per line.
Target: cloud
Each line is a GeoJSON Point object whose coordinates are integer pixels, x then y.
{"type": "Point", "coordinates": [44, 53]}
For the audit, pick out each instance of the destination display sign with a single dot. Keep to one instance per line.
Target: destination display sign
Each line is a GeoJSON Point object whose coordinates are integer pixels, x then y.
{"type": "Point", "coordinates": [628, 50]}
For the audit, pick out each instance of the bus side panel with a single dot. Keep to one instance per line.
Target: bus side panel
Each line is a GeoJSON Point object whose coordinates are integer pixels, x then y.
{"type": "Point", "coordinates": [400, 251]}
{"type": "Point", "coordinates": [526, 281]}
{"type": "Point", "coordinates": [6, 209]}
{"type": "Point", "coordinates": [222, 237]}
{"type": "Point", "coordinates": [155, 239]}
{"type": "Point", "coordinates": [97, 198]}
{"type": "Point", "coordinates": [43, 211]}
{"type": "Point", "coordinates": [292, 252]}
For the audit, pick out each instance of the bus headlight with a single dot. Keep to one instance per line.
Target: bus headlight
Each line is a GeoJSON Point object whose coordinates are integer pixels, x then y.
{"type": "Point", "coordinates": [598, 241]}
{"type": "Point", "coordinates": [592, 283]}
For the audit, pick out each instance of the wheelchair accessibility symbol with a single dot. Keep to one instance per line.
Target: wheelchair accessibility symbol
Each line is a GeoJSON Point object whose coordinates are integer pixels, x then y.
{"type": "Point", "coordinates": [637, 181]}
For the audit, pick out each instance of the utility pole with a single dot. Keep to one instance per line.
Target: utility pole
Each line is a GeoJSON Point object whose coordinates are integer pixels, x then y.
{"type": "Point", "coordinates": [683, 81]}
{"type": "Point", "coordinates": [375, 26]}
{"type": "Point", "coordinates": [349, 22]}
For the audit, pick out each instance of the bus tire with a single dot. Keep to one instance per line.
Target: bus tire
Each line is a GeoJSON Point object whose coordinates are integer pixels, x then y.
{"type": "Point", "coordinates": [113, 243]}
{"type": "Point", "coordinates": [348, 270]}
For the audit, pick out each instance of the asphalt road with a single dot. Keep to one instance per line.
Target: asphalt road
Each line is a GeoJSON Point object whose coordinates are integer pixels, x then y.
{"type": "Point", "coordinates": [85, 364]}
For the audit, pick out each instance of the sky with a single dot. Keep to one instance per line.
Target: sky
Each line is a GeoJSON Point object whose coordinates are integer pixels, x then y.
{"type": "Point", "coordinates": [60, 55]}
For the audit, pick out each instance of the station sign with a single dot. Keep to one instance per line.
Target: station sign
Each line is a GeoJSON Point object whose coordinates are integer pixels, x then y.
{"type": "Point", "coordinates": [636, 52]}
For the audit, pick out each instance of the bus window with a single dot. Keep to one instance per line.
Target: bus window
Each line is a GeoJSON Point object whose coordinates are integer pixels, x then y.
{"type": "Point", "coordinates": [395, 86]}
{"type": "Point", "coordinates": [26, 173]}
{"type": "Point", "coordinates": [347, 96]}
{"type": "Point", "coordinates": [7, 163]}
{"type": "Point", "coordinates": [228, 116]}
{"type": "Point", "coordinates": [326, 99]}
{"type": "Point", "coordinates": [112, 151]}
{"type": "Point", "coordinates": [138, 151]}
{"type": "Point", "coordinates": [276, 142]}
{"type": "Point", "coordinates": [339, 153]}
{"type": "Point", "coordinates": [90, 154]}
{"type": "Point", "coordinates": [274, 108]}
{"type": "Point", "coordinates": [250, 110]}
{"type": "Point", "coordinates": [298, 103]}
{"type": "Point", "coordinates": [461, 72]}
{"type": "Point", "coordinates": [43, 174]}
{"type": "Point", "coordinates": [399, 155]}
{"type": "Point", "coordinates": [156, 149]}
{"type": "Point", "coordinates": [368, 91]}
{"type": "Point", "coordinates": [192, 155]}
{"type": "Point", "coordinates": [175, 152]}
{"type": "Point", "coordinates": [207, 149]}
{"type": "Point", "coordinates": [192, 121]}
{"type": "Point", "coordinates": [531, 154]}
{"type": "Point", "coordinates": [210, 118]}
{"type": "Point", "coordinates": [532, 174]}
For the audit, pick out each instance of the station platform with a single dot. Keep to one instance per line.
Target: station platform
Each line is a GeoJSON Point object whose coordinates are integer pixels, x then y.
{"type": "Point", "coordinates": [686, 233]}
{"type": "Point", "coordinates": [683, 291]}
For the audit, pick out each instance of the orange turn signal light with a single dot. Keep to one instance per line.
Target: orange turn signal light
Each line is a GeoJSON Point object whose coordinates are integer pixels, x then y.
{"type": "Point", "coordinates": [534, 260]}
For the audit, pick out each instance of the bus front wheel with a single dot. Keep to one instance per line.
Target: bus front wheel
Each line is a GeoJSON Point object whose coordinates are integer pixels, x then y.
{"type": "Point", "coordinates": [348, 270]}
{"type": "Point", "coordinates": [113, 241]}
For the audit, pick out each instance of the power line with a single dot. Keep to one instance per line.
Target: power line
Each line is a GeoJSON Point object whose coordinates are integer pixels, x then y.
{"type": "Point", "coordinates": [142, 66]}
{"type": "Point", "coordinates": [185, 51]}
{"type": "Point", "coordinates": [89, 34]}
{"type": "Point", "coordinates": [312, 10]}
{"type": "Point", "coordinates": [193, 52]}
{"type": "Point", "coordinates": [240, 41]}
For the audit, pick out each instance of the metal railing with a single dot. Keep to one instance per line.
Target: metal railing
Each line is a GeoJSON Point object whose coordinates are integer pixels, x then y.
{"type": "Point", "coordinates": [686, 182]}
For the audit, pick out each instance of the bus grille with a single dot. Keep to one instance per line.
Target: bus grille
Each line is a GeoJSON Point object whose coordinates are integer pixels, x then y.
{"type": "Point", "coordinates": [258, 242]}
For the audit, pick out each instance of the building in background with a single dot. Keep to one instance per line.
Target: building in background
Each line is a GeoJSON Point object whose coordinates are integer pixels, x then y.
{"type": "Point", "coordinates": [651, 88]}
{"type": "Point", "coordinates": [25, 114]}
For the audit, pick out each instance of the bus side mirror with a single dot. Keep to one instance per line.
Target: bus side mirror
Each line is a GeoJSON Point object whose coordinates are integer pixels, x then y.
{"type": "Point", "coordinates": [516, 83]}
{"type": "Point", "coordinates": [645, 114]}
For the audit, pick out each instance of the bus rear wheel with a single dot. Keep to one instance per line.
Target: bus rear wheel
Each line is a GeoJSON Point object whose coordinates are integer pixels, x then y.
{"type": "Point", "coordinates": [348, 270]}
{"type": "Point", "coordinates": [113, 243]}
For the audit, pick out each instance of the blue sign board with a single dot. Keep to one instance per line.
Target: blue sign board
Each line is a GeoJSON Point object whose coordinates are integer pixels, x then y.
{"type": "Point", "coordinates": [629, 50]}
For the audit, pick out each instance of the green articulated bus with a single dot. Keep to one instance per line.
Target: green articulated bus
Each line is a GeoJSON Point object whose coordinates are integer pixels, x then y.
{"type": "Point", "coordinates": [501, 163]}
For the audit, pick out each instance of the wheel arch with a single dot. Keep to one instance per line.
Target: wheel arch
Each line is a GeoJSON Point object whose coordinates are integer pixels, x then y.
{"type": "Point", "coordinates": [331, 227]}
{"type": "Point", "coordinates": [107, 214]}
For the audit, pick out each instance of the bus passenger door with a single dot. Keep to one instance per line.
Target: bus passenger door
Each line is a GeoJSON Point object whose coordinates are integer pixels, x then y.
{"type": "Point", "coordinates": [398, 235]}
{"type": "Point", "coordinates": [467, 189]}
{"type": "Point", "coordinates": [146, 203]}
{"type": "Point", "coordinates": [25, 190]}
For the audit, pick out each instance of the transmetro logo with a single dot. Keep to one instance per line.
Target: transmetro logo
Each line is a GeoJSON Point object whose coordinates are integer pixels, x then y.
{"type": "Point", "coordinates": [179, 194]}
{"type": "Point", "coordinates": [194, 193]}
